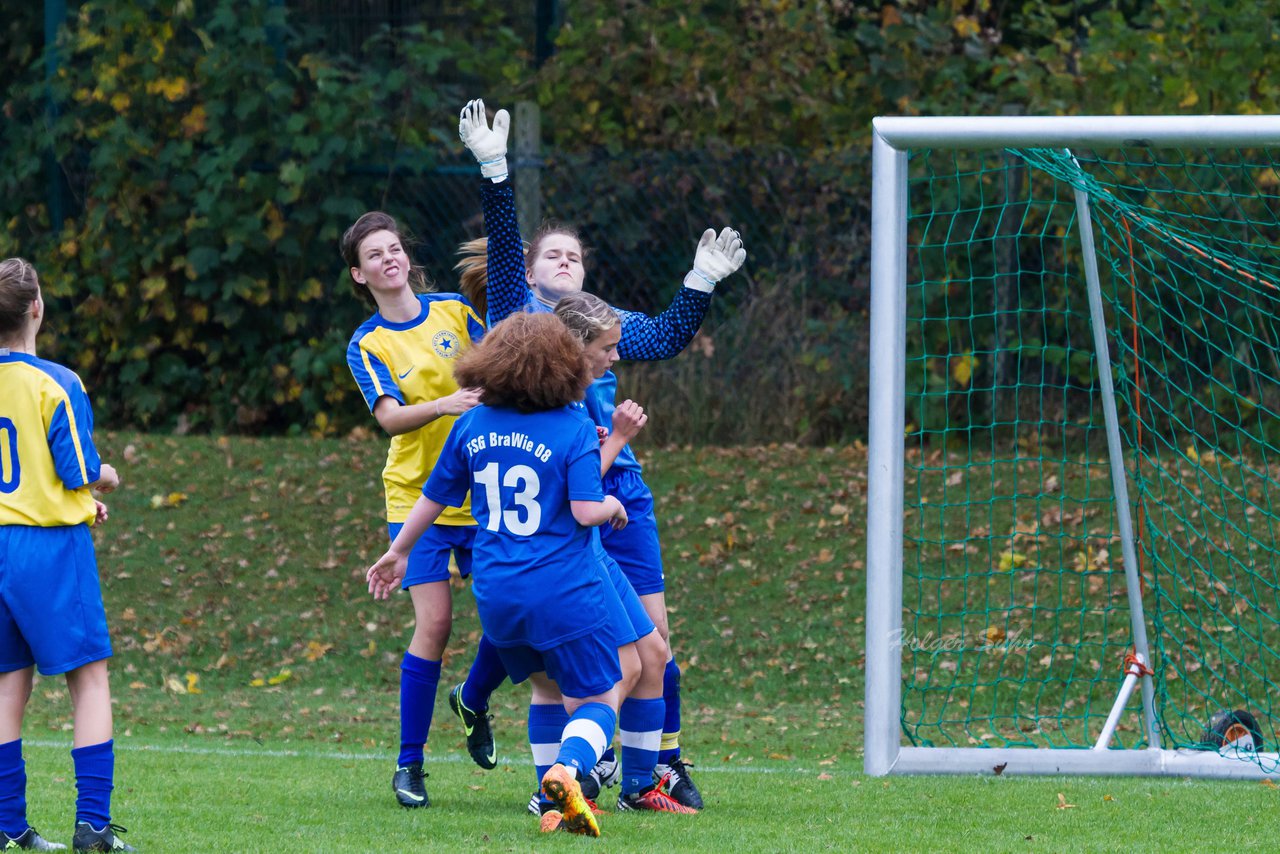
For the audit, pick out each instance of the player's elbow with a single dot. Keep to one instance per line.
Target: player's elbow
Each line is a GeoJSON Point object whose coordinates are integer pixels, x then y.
{"type": "Point", "coordinates": [589, 513]}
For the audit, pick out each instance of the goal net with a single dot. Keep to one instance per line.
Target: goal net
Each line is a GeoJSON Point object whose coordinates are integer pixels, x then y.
{"type": "Point", "coordinates": [1074, 480]}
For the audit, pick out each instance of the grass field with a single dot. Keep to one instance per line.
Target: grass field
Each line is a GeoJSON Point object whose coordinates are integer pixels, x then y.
{"type": "Point", "coordinates": [256, 681]}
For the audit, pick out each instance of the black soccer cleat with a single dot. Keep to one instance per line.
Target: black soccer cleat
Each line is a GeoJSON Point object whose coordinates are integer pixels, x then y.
{"type": "Point", "coordinates": [604, 774]}
{"type": "Point", "coordinates": [88, 839]}
{"type": "Point", "coordinates": [408, 786]}
{"type": "Point", "coordinates": [28, 840]}
{"type": "Point", "coordinates": [476, 725]}
{"type": "Point", "coordinates": [679, 782]}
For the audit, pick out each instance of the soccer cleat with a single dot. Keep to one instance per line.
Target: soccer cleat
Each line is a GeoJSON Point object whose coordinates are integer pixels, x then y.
{"type": "Point", "coordinates": [677, 780]}
{"type": "Point", "coordinates": [476, 725]}
{"type": "Point", "coordinates": [652, 799]}
{"type": "Point", "coordinates": [28, 840]}
{"type": "Point", "coordinates": [561, 786]}
{"type": "Point", "coordinates": [88, 839]}
{"type": "Point", "coordinates": [605, 773]}
{"type": "Point", "coordinates": [551, 821]}
{"type": "Point", "coordinates": [407, 783]}
{"type": "Point", "coordinates": [537, 806]}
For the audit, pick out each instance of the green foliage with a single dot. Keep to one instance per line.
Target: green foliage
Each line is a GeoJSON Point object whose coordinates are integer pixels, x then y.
{"type": "Point", "coordinates": [209, 156]}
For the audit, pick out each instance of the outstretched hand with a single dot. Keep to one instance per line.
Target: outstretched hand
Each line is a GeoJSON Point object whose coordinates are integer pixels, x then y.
{"type": "Point", "coordinates": [487, 145]}
{"type": "Point", "coordinates": [385, 575]}
{"type": "Point", "coordinates": [717, 256]}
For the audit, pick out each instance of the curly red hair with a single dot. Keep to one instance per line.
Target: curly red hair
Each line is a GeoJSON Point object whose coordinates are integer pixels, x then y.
{"type": "Point", "coordinates": [530, 362]}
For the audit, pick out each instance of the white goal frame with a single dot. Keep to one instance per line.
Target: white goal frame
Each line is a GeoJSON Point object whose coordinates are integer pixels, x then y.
{"type": "Point", "coordinates": [892, 138]}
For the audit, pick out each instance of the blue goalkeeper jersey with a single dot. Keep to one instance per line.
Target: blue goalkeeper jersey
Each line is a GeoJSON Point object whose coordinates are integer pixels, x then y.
{"type": "Point", "coordinates": [412, 362]}
{"type": "Point", "coordinates": [47, 455]}
{"type": "Point", "coordinates": [644, 338]}
{"type": "Point", "coordinates": [534, 571]}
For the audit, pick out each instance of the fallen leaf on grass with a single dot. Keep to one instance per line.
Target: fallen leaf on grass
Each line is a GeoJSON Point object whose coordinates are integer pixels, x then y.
{"type": "Point", "coordinates": [193, 683]}
{"type": "Point", "coordinates": [999, 769]}
{"type": "Point", "coordinates": [1062, 802]}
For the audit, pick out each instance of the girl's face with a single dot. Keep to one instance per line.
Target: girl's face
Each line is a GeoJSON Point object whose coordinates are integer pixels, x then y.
{"type": "Point", "coordinates": [384, 265]}
{"type": "Point", "coordinates": [602, 351]}
{"type": "Point", "coordinates": [557, 269]}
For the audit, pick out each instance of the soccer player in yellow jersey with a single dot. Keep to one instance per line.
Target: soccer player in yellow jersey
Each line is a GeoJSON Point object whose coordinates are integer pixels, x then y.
{"type": "Point", "coordinates": [51, 611]}
{"type": "Point", "coordinates": [402, 358]}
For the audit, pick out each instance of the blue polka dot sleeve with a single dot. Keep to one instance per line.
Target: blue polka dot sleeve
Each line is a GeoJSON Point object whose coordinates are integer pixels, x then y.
{"type": "Point", "coordinates": [644, 338]}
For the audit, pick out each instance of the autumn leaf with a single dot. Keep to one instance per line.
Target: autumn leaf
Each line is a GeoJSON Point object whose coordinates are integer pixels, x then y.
{"type": "Point", "coordinates": [283, 676]}
{"type": "Point", "coordinates": [1011, 560]}
{"type": "Point", "coordinates": [316, 651]}
{"type": "Point", "coordinates": [962, 368]}
{"type": "Point", "coordinates": [1062, 802]}
{"type": "Point", "coordinates": [173, 499]}
{"type": "Point", "coordinates": [193, 682]}
{"type": "Point", "coordinates": [999, 769]}
{"type": "Point", "coordinates": [173, 684]}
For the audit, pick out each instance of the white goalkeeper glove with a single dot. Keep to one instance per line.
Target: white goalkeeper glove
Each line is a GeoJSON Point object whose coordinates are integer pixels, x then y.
{"type": "Point", "coordinates": [716, 257]}
{"type": "Point", "coordinates": [489, 146]}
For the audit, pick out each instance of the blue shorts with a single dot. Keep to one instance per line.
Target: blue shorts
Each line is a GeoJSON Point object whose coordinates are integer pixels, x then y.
{"type": "Point", "coordinates": [628, 619]}
{"type": "Point", "coordinates": [583, 667]}
{"type": "Point", "coordinates": [429, 560]}
{"type": "Point", "coordinates": [51, 612]}
{"type": "Point", "coordinates": [635, 547]}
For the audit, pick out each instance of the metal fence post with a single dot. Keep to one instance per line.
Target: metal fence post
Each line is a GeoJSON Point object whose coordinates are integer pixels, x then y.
{"type": "Point", "coordinates": [528, 164]}
{"type": "Point", "coordinates": [55, 14]}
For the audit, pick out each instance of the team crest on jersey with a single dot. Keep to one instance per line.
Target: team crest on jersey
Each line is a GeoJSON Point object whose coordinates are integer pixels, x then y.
{"type": "Point", "coordinates": [446, 344]}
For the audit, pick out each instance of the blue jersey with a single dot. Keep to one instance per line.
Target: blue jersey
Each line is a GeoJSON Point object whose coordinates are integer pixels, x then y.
{"type": "Point", "coordinates": [644, 338]}
{"type": "Point", "coordinates": [412, 362]}
{"type": "Point", "coordinates": [534, 571]}
{"type": "Point", "coordinates": [47, 455]}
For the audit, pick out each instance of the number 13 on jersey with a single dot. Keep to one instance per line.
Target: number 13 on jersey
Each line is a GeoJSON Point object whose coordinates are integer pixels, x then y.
{"type": "Point", "coordinates": [522, 522]}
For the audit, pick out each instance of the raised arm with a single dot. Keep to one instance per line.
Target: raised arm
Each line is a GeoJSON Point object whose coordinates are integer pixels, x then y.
{"type": "Point", "coordinates": [646, 338]}
{"type": "Point", "coordinates": [507, 290]}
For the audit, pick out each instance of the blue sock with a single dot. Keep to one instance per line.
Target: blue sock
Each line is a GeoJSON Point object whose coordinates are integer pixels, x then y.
{"type": "Point", "coordinates": [546, 723]}
{"type": "Point", "coordinates": [95, 778]}
{"type": "Point", "coordinates": [641, 725]}
{"type": "Point", "coordinates": [13, 789]}
{"type": "Point", "coordinates": [419, 679]}
{"type": "Point", "coordinates": [589, 731]}
{"type": "Point", "coordinates": [486, 674]}
{"type": "Point", "coordinates": [670, 750]}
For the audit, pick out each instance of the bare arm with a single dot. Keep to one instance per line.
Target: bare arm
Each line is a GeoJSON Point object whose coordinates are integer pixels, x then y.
{"type": "Point", "coordinates": [108, 479]}
{"type": "Point", "coordinates": [397, 418]}
{"type": "Point", "coordinates": [592, 513]}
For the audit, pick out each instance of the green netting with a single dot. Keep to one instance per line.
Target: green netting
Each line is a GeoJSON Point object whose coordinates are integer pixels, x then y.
{"type": "Point", "coordinates": [1016, 618]}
